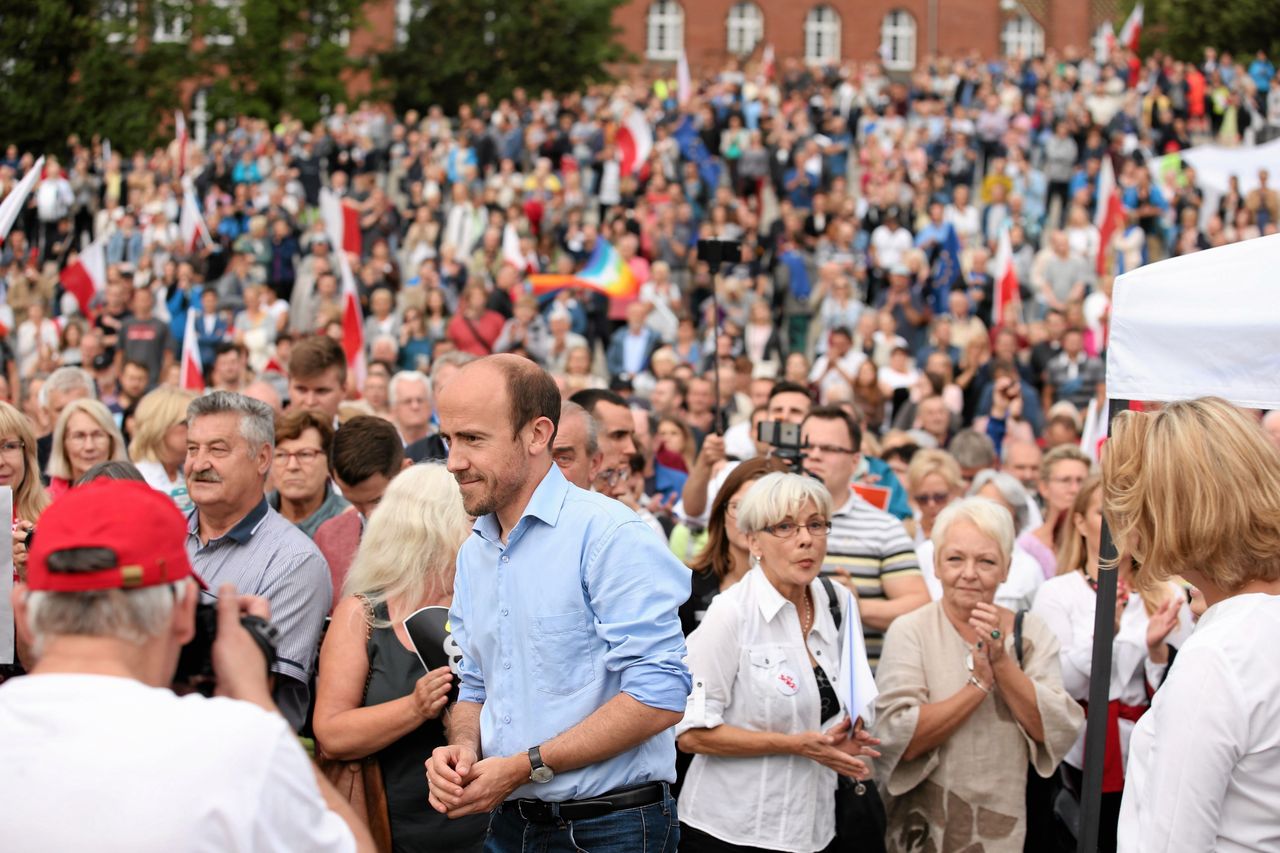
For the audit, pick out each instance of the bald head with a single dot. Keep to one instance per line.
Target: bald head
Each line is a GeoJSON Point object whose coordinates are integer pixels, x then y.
{"type": "Point", "coordinates": [1022, 460]}
{"type": "Point", "coordinates": [525, 390]}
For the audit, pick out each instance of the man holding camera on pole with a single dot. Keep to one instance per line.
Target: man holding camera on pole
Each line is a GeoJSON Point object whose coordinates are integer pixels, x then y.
{"type": "Point", "coordinates": [96, 751]}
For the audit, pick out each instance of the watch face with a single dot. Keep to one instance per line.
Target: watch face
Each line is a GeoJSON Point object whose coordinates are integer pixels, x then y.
{"type": "Point", "coordinates": [542, 774]}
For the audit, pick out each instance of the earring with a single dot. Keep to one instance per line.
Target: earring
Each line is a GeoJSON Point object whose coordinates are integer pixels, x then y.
{"type": "Point", "coordinates": [755, 561]}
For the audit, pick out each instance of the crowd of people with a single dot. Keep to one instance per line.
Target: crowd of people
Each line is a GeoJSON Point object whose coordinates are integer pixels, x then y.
{"type": "Point", "coordinates": [949, 513]}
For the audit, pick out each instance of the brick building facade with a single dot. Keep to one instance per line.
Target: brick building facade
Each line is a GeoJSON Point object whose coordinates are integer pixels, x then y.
{"type": "Point", "coordinates": [902, 32]}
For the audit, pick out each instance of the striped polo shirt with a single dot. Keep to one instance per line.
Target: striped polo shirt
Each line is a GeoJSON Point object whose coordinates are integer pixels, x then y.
{"type": "Point", "coordinates": [265, 554]}
{"type": "Point", "coordinates": [870, 545]}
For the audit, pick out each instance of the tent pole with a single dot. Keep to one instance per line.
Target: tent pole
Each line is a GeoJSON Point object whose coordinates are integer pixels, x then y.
{"type": "Point", "coordinates": [1095, 741]}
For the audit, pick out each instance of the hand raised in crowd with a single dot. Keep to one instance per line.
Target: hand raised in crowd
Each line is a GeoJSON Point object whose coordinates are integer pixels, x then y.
{"type": "Point", "coordinates": [1159, 626]}
{"type": "Point", "coordinates": [238, 661]}
{"type": "Point", "coordinates": [712, 451]}
{"type": "Point", "coordinates": [431, 692]}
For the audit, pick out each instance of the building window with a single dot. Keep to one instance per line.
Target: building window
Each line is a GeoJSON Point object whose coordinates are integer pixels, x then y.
{"type": "Point", "coordinates": [404, 16]}
{"type": "Point", "coordinates": [665, 30]}
{"type": "Point", "coordinates": [118, 19]}
{"type": "Point", "coordinates": [171, 24]}
{"type": "Point", "coordinates": [746, 28]}
{"type": "Point", "coordinates": [322, 31]}
{"type": "Point", "coordinates": [1022, 38]}
{"type": "Point", "coordinates": [821, 36]}
{"type": "Point", "coordinates": [227, 22]}
{"type": "Point", "coordinates": [898, 41]}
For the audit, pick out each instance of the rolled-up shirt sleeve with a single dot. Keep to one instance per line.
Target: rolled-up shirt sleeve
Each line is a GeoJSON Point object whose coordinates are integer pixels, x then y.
{"type": "Point", "coordinates": [636, 587]}
{"type": "Point", "coordinates": [714, 656]}
{"type": "Point", "coordinates": [471, 679]}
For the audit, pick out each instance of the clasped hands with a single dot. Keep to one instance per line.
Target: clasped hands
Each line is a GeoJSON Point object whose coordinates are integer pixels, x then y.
{"type": "Point", "coordinates": [462, 784]}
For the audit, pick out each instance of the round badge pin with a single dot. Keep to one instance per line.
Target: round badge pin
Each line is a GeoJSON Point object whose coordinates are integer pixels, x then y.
{"type": "Point", "coordinates": [787, 684]}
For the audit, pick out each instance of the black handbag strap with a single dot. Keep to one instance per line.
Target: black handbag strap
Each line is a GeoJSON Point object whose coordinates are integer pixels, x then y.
{"type": "Point", "coordinates": [833, 603]}
{"type": "Point", "coordinates": [1017, 635]}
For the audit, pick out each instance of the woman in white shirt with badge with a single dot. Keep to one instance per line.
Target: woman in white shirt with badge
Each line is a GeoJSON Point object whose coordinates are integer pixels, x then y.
{"type": "Point", "coordinates": [1194, 490]}
{"type": "Point", "coordinates": [769, 715]}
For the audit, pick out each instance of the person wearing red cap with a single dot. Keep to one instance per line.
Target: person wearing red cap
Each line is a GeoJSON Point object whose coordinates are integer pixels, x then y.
{"type": "Point", "coordinates": [109, 601]}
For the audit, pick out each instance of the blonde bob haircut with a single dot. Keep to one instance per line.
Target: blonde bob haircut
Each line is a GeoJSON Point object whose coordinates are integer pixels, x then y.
{"type": "Point", "coordinates": [939, 462]}
{"type": "Point", "coordinates": [59, 461]}
{"type": "Point", "coordinates": [779, 496]}
{"type": "Point", "coordinates": [29, 496]}
{"type": "Point", "coordinates": [991, 520]}
{"type": "Point", "coordinates": [1194, 488]}
{"type": "Point", "coordinates": [411, 544]}
{"type": "Point", "coordinates": [157, 413]}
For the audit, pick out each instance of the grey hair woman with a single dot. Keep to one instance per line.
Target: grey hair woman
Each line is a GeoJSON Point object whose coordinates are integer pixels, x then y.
{"type": "Point", "coordinates": [770, 731]}
{"type": "Point", "coordinates": [959, 705]}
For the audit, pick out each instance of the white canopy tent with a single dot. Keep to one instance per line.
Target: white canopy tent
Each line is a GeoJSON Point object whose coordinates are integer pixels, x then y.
{"type": "Point", "coordinates": [1205, 324]}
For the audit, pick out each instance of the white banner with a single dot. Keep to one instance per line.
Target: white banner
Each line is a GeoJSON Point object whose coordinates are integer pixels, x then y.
{"type": "Point", "coordinates": [1202, 324]}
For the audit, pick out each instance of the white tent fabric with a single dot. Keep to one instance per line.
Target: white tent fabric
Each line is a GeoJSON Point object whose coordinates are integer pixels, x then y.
{"type": "Point", "coordinates": [1201, 324]}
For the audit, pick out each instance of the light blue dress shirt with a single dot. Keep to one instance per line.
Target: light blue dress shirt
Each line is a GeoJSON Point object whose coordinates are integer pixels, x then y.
{"type": "Point", "coordinates": [579, 606]}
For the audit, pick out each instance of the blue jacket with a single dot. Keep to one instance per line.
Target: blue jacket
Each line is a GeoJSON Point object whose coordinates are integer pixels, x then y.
{"type": "Point", "coordinates": [615, 357]}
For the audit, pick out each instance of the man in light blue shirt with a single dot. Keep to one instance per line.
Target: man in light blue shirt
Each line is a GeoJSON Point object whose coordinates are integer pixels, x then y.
{"type": "Point", "coordinates": [565, 612]}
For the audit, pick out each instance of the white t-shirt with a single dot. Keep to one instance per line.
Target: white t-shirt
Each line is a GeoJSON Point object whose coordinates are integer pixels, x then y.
{"type": "Point", "coordinates": [890, 245]}
{"type": "Point", "coordinates": [1204, 765]}
{"type": "Point", "coordinates": [102, 763]}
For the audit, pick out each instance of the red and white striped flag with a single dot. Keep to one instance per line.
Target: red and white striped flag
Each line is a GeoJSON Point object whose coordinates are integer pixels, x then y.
{"type": "Point", "coordinates": [635, 141]}
{"type": "Point", "coordinates": [180, 132]}
{"type": "Point", "coordinates": [1131, 31]}
{"type": "Point", "coordinates": [684, 83]}
{"type": "Point", "coordinates": [1109, 215]}
{"type": "Point", "coordinates": [191, 223]}
{"type": "Point", "coordinates": [1006, 282]}
{"type": "Point", "coordinates": [86, 276]}
{"type": "Point", "coordinates": [12, 204]}
{"type": "Point", "coordinates": [192, 364]}
{"type": "Point", "coordinates": [342, 225]}
{"type": "Point", "coordinates": [1106, 43]}
{"type": "Point", "coordinates": [513, 254]}
{"type": "Point", "coordinates": [767, 64]}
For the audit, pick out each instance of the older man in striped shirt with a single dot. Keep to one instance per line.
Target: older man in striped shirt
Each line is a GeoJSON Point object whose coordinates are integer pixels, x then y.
{"type": "Point", "coordinates": [234, 536]}
{"type": "Point", "coordinates": [868, 550]}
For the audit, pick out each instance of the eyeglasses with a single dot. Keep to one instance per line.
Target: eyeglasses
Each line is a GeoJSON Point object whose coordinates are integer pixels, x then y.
{"type": "Point", "coordinates": [305, 456]}
{"type": "Point", "coordinates": [934, 498]}
{"type": "Point", "coordinates": [787, 529]}
{"type": "Point", "coordinates": [95, 437]}
{"type": "Point", "coordinates": [13, 448]}
{"type": "Point", "coordinates": [828, 448]}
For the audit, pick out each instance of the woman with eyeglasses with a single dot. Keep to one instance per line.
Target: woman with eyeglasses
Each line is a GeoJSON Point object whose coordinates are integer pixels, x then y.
{"type": "Point", "coordinates": [768, 719]}
{"type": "Point", "coordinates": [1062, 473]}
{"type": "Point", "coordinates": [934, 480]}
{"type": "Point", "coordinates": [961, 709]}
{"type": "Point", "coordinates": [85, 435]}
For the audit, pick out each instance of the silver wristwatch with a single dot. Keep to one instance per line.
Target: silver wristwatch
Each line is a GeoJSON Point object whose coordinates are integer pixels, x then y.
{"type": "Point", "coordinates": [539, 772]}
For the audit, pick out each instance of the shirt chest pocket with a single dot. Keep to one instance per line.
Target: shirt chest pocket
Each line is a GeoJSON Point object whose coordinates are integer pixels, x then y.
{"type": "Point", "coordinates": [773, 682]}
{"type": "Point", "coordinates": [564, 652]}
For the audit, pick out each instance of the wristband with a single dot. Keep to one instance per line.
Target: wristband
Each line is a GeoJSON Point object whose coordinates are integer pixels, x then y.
{"type": "Point", "coordinates": [973, 679]}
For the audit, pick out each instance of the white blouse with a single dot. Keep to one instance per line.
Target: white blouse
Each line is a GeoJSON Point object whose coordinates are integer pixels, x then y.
{"type": "Point", "coordinates": [1066, 603]}
{"type": "Point", "coordinates": [1205, 768]}
{"type": "Point", "coordinates": [750, 670]}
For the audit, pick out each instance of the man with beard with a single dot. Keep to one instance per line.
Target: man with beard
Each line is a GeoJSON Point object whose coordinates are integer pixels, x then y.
{"type": "Point", "coordinates": [565, 612]}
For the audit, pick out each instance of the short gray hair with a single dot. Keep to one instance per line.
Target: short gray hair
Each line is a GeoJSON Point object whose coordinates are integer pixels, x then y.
{"type": "Point", "coordinates": [257, 421]}
{"type": "Point", "coordinates": [407, 376]}
{"type": "Point", "coordinates": [66, 379]}
{"type": "Point", "coordinates": [973, 449]}
{"type": "Point", "coordinates": [457, 358]}
{"type": "Point", "coordinates": [989, 517]}
{"type": "Point", "coordinates": [1010, 489]}
{"type": "Point", "coordinates": [568, 409]}
{"type": "Point", "coordinates": [778, 495]}
{"type": "Point", "coordinates": [133, 616]}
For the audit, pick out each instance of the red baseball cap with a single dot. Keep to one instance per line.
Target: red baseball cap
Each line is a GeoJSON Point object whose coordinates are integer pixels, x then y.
{"type": "Point", "coordinates": [139, 525]}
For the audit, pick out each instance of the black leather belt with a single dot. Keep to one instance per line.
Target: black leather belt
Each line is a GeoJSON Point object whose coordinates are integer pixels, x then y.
{"type": "Point", "coordinates": [537, 811]}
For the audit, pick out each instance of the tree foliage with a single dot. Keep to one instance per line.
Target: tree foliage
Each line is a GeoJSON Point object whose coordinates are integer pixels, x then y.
{"type": "Point", "coordinates": [274, 56]}
{"type": "Point", "coordinates": [456, 49]}
{"type": "Point", "coordinates": [1184, 28]}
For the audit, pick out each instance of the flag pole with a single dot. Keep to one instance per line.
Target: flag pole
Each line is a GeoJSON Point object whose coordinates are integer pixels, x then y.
{"type": "Point", "coordinates": [1104, 626]}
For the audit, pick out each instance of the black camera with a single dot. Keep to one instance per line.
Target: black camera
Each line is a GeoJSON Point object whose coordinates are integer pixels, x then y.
{"type": "Point", "coordinates": [717, 252]}
{"type": "Point", "coordinates": [784, 438]}
{"type": "Point", "coordinates": [195, 663]}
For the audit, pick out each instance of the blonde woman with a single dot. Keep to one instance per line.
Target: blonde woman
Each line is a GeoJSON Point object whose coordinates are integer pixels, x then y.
{"type": "Point", "coordinates": [19, 470]}
{"type": "Point", "coordinates": [1194, 490]}
{"type": "Point", "coordinates": [1062, 473]}
{"type": "Point", "coordinates": [372, 695]}
{"type": "Point", "coordinates": [159, 446]}
{"type": "Point", "coordinates": [85, 435]}
{"type": "Point", "coordinates": [934, 480]}
{"type": "Point", "coordinates": [1148, 622]}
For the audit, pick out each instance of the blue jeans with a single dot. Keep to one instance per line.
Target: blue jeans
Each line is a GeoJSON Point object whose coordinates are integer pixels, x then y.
{"type": "Point", "coordinates": [645, 829]}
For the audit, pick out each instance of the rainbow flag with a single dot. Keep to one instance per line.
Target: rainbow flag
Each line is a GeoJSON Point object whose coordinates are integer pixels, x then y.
{"type": "Point", "coordinates": [605, 271]}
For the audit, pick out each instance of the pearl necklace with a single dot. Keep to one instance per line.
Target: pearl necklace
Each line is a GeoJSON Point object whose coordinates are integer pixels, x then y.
{"type": "Point", "coordinates": [808, 614]}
